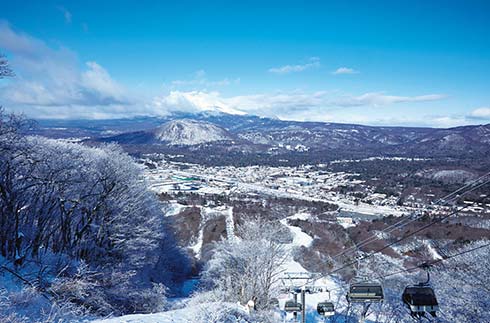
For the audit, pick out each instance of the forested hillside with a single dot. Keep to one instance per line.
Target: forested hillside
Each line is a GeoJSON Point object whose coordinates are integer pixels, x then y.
{"type": "Point", "coordinates": [80, 229]}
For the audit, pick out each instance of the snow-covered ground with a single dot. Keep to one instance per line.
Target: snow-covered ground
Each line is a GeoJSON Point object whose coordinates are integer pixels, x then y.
{"type": "Point", "coordinates": [209, 212]}
{"type": "Point", "coordinates": [173, 208]}
{"type": "Point", "coordinates": [333, 288]}
{"type": "Point", "coordinates": [296, 183]}
{"type": "Point", "coordinates": [287, 182]}
{"type": "Point", "coordinates": [299, 237]}
{"type": "Point", "coordinates": [188, 314]}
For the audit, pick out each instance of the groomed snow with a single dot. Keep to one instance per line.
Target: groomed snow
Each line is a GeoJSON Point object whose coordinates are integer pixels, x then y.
{"type": "Point", "coordinates": [299, 237]}
{"type": "Point", "coordinates": [189, 314]}
{"type": "Point", "coordinates": [335, 287]}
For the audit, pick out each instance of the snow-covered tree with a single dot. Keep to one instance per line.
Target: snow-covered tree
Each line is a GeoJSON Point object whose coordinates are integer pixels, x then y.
{"type": "Point", "coordinates": [248, 267]}
{"type": "Point", "coordinates": [5, 70]}
{"type": "Point", "coordinates": [63, 203]}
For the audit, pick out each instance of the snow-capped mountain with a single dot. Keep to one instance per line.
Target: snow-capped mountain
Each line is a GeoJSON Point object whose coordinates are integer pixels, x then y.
{"type": "Point", "coordinates": [179, 132]}
{"type": "Point", "coordinates": [190, 132]}
{"type": "Point", "coordinates": [252, 134]}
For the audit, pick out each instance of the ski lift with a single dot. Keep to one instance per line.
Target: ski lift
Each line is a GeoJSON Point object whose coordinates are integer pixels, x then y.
{"type": "Point", "coordinates": [292, 306]}
{"type": "Point", "coordinates": [421, 298]}
{"type": "Point", "coordinates": [325, 308]}
{"type": "Point", "coordinates": [365, 292]}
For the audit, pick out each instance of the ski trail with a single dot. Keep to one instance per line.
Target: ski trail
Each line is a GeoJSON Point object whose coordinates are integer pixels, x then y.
{"type": "Point", "coordinates": [230, 225]}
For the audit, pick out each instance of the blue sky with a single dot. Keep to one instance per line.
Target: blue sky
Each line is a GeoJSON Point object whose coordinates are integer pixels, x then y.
{"type": "Point", "coordinates": [423, 63]}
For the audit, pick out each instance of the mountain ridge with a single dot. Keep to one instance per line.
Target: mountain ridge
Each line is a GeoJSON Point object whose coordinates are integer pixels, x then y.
{"type": "Point", "coordinates": [249, 134]}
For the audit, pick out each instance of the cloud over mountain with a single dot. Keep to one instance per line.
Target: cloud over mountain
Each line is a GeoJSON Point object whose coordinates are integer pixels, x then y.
{"type": "Point", "coordinates": [480, 113]}
{"type": "Point", "coordinates": [51, 82]}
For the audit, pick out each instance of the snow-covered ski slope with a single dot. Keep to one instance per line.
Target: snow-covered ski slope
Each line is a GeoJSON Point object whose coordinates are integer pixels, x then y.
{"type": "Point", "coordinates": [203, 313]}
{"type": "Point", "coordinates": [193, 314]}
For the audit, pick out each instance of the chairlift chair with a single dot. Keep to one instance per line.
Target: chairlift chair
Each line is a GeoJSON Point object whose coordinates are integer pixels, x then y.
{"type": "Point", "coordinates": [420, 298]}
{"type": "Point", "coordinates": [325, 308]}
{"type": "Point", "coordinates": [292, 306]}
{"type": "Point", "coordinates": [365, 292]}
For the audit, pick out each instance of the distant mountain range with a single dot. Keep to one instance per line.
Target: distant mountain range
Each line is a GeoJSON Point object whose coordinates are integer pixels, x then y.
{"type": "Point", "coordinates": [252, 134]}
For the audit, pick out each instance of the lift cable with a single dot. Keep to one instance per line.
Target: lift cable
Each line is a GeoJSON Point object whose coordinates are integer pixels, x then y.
{"type": "Point", "coordinates": [425, 264]}
{"type": "Point", "coordinates": [406, 236]}
{"type": "Point", "coordinates": [434, 262]}
{"type": "Point", "coordinates": [400, 223]}
{"type": "Point", "coordinates": [369, 255]}
{"type": "Point", "coordinates": [475, 181]}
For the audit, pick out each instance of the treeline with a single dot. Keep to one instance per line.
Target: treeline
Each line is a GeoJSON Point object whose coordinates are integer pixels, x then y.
{"type": "Point", "coordinates": [75, 206]}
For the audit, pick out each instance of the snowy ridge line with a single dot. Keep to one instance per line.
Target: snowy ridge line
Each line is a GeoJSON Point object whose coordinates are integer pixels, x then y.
{"type": "Point", "coordinates": [400, 223]}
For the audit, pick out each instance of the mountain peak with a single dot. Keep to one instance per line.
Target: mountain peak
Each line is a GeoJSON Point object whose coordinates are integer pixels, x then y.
{"type": "Point", "coordinates": [190, 132]}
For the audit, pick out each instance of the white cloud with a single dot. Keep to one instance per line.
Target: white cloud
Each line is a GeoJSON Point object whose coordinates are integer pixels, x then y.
{"type": "Point", "coordinates": [381, 99]}
{"type": "Point", "coordinates": [49, 77]}
{"type": "Point", "coordinates": [345, 70]}
{"type": "Point", "coordinates": [19, 42]}
{"type": "Point", "coordinates": [313, 62]}
{"type": "Point", "coordinates": [199, 79]}
{"type": "Point", "coordinates": [98, 80]}
{"type": "Point", "coordinates": [192, 102]}
{"type": "Point", "coordinates": [448, 121]}
{"type": "Point", "coordinates": [296, 105]}
{"type": "Point", "coordinates": [480, 113]}
{"type": "Point", "coordinates": [406, 121]}
{"type": "Point", "coordinates": [51, 84]}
